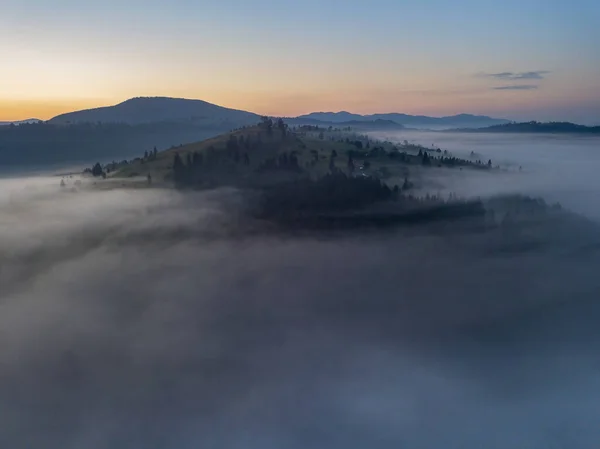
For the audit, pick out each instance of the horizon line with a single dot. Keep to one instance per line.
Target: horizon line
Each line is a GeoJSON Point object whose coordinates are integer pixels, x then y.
{"type": "Point", "coordinates": [119, 102]}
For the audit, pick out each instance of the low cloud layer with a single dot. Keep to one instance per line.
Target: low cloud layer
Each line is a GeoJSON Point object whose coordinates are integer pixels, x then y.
{"type": "Point", "coordinates": [152, 319]}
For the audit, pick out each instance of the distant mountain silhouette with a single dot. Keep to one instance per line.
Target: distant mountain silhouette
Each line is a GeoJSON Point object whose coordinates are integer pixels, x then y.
{"type": "Point", "coordinates": [364, 125]}
{"type": "Point", "coordinates": [160, 109]}
{"type": "Point", "coordinates": [417, 121]}
{"type": "Point", "coordinates": [20, 122]}
{"type": "Point", "coordinates": [372, 124]}
{"type": "Point", "coordinates": [536, 127]}
{"type": "Point", "coordinates": [144, 110]}
{"type": "Point", "coordinates": [333, 117]}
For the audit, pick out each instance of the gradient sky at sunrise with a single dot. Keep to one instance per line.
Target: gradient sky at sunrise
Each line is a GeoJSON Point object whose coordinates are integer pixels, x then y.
{"type": "Point", "coordinates": [524, 59]}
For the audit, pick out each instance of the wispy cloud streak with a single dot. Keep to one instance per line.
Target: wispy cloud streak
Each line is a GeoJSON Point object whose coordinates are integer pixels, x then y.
{"type": "Point", "coordinates": [517, 87]}
{"type": "Point", "coordinates": [513, 76]}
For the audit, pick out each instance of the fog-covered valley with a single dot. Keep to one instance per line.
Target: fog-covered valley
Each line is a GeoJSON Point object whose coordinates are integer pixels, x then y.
{"type": "Point", "coordinates": [151, 318]}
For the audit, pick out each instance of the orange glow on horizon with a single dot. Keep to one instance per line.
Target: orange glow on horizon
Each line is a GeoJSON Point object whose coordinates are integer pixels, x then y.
{"type": "Point", "coordinates": [44, 110]}
{"type": "Point", "coordinates": [286, 104]}
{"type": "Point", "coordinates": [291, 104]}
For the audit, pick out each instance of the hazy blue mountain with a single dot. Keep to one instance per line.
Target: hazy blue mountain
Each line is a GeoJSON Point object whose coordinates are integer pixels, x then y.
{"type": "Point", "coordinates": [377, 124]}
{"type": "Point", "coordinates": [416, 121]}
{"type": "Point", "coordinates": [332, 117]}
{"type": "Point", "coordinates": [536, 127]}
{"type": "Point", "coordinates": [453, 120]}
{"type": "Point", "coordinates": [364, 125]}
{"type": "Point", "coordinates": [160, 109]}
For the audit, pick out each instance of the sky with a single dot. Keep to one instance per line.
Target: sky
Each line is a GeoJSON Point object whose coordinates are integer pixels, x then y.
{"type": "Point", "coordinates": [521, 60]}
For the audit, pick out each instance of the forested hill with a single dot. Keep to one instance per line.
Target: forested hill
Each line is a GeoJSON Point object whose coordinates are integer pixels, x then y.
{"type": "Point", "coordinates": [272, 151]}
{"type": "Point", "coordinates": [536, 127]}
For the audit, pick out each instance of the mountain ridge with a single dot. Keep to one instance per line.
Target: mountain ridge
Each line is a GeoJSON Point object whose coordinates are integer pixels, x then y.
{"type": "Point", "coordinates": [535, 127]}
{"type": "Point", "coordinates": [139, 110]}
{"type": "Point", "coordinates": [462, 120]}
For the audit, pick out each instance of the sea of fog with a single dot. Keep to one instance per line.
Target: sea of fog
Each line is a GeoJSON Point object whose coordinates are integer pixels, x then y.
{"type": "Point", "coordinates": [154, 319]}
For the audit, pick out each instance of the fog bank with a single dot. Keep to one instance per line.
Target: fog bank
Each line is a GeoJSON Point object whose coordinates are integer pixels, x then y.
{"type": "Point", "coordinates": [560, 168]}
{"type": "Point", "coordinates": [154, 319]}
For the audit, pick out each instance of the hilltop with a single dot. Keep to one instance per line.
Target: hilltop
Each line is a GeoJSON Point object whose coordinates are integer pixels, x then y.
{"type": "Point", "coordinates": [272, 152]}
{"type": "Point", "coordinates": [254, 141]}
{"type": "Point", "coordinates": [160, 109]}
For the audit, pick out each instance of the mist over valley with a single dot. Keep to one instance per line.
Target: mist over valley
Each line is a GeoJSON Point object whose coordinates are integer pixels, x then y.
{"type": "Point", "coordinates": [139, 315]}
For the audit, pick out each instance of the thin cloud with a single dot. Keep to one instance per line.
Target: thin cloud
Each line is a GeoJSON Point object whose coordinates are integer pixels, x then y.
{"type": "Point", "coordinates": [512, 76]}
{"type": "Point", "coordinates": [517, 87]}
